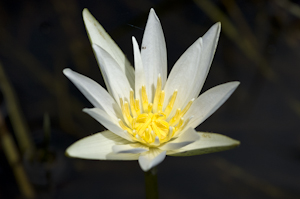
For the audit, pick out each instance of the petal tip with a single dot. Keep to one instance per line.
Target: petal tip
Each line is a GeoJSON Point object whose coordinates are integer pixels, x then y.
{"type": "Point", "coordinates": [86, 15]}
{"type": "Point", "coordinates": [217, 26]}
{"type": "Point", "coordinates": [85, 11]}
{"type": "Point", "coordinates": [133, 39]}
{"type": "Point", "coordinates": [68, 72]}
{"type": "Point", "coordinates": [147, 164]}
{"type": "Point", "coordinates": [87, 110]}
{"type": "Point", "coordinates": [237, 143]}
{"type": "Point", "coordinates": [69, 151]}
{"type": "Point", "coordinates": [235, 84]}
{"type": "Point", "coordinates": [153, 13]}
{"type": "Point", "coordinates": [67, 154]}
{"type": "Point", "coordinates": [214, 32]}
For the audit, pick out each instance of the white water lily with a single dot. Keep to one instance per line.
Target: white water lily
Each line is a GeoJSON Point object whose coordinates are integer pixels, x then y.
{"type": "Point", "coordinates": [148, 115]}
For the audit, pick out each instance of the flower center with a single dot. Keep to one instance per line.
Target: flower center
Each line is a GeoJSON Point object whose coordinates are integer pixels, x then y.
{"type": "Point", "coordinates": [147, 122]}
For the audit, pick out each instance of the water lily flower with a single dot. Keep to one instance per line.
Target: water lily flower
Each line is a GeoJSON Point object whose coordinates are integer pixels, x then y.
{"type": "Point", "coordinates": [148, 115]}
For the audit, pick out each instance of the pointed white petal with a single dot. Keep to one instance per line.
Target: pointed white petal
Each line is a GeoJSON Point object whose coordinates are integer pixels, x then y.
{"type": "Point", "coordinates": [130, 148]}
{"type": "Point", "coordinates": [97, 95]}
{"type": "Point", "coordinates": [184, 76]}
{"type": "Point", "coordinates": [109, 123]}
{"type": "Point", "coordinates": [99, 147]}
{"type": "Point", "coordinates": [209, 45]}
{"type": "Point", "coordinates": [208, 143]}
{"type": "Point", "coordinates": [99, 36]}
{"type": "Point", "coordinates": [151, 158]}
{"type": "Point", "coordinates": [154, 54]}
{"type": "Point", "coordinates": [115, 79]}
{"type": "Point", "coordinates": [139, 70]}
{"type": "Point", "coordinates": [208, 102]}
{"type": "Point", "coordinates": [190, 71]}
{"type": "Point", "coordinates": [186, 138]}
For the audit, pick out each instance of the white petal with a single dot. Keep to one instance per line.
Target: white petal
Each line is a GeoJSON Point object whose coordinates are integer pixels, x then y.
{"type": "Point", "coordinates": [99, 147]}
{"type": "Point", "coordinates": [130, 148]}
{"type": "Point", "coordinates": [209, 45]}
{"type": "Point", "coordinates": [208, 102]}
{"type": "Point", "coordinates": [154, 54]}
{"type": "Point", "coordinates": [208, 143]}
{"type": "Point", "coordinates": [139, 70]}
{"type": "Point", "coordinates": [99, 36]}
{"type": "Point", "coordinates": [190, 71]}
{"type": "Point", "coordinates": [151, 158]}
{"type": "Point", "coordinates": [115, 79]}
{"type": "Point", "coordinates": [109, 123]}
{"type": "Point", "coordinates": [186, 138]}
{"type": "Point", "coordinates": [97, 95]}
{"type": "Point", "coordinates": [184, 75]}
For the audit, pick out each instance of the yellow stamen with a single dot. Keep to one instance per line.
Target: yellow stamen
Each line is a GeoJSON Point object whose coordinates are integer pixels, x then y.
{"type": "Point", "coordinates": [121, 102]}
{"type": "Point", "coordinates": [157, 94]}
{"type": "Point", "coordinates": [171, 133]}
{"type": "Point", "coordinates": [144, 99]}
{"type": "Point", "coordinates": [186, 108]}
{"type": "Point", "coordinates": [142, 128]}
{"type": "Point", "coordinates": [180, 123]}
{"type": "Point", "coordinates": [161, 101]}
{"type": "Point", "coordinates": [133, 123]}
{"type": "Point", "coordinates": [175, 118]}
{"type": "Point", "coordinates": [137, 107]}
{"type": "Point", "coordinates": [148, 136]}
{"type": "Point", "coordinates": [183, 126]}
{"type": "Point", "coordinates": [123, 126]}
{"type": "Point", "coordinates": [126, 113]}
{"type": "Point", "coordinates": [132, 104]}
{"type": "Point", "coordinates": [171, 103]}
{"type": "Point", "coordinates": [147, 122]}
{"type": "Point", "coordinates": [150, 107]}
{"type": "Point", "coordinates": [138, 138]}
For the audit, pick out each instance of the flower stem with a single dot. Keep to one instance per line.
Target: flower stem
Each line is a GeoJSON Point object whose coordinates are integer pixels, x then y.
{"type": "Point", "coordinates": [151, 184]}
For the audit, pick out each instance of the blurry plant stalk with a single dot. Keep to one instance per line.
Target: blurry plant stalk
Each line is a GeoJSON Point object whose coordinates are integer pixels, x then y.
{"type": "Point", "coordinates": [14, 111]}
{"type": "Point", "coordinates": [151, 185]}
{"type": "Point", "coordinates": [12, 155]}
{"type": "Point", "coordinates": [21, 132]}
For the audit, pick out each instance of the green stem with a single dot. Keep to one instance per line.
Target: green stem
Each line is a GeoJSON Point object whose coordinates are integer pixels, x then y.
{"type": "Point", "coordinates": [151, 184]}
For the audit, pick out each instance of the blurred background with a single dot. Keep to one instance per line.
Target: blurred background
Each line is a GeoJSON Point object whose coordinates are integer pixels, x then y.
{"type": "Point", "coordinates": [41, 110]}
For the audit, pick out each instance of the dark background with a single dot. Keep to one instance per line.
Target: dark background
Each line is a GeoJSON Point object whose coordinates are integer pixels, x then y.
{"type": "Point", "coordinates": [259, 46]}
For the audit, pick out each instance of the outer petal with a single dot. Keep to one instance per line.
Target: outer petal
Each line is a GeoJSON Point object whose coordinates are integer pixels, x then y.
{"type": "Point", "coordinates": [208, 143]}
{"type": "Point", "coordinates": [190, 71]}
{"type": "Point", "coordinates": [99, 147]}
{"type": "Point", "coordinates": [154, 54]}
{"type": "Point", "coordinates": [130, 148]}
{"type": "Point", "coordinates": [139, 70]}
{"type": "Point", "coordinates": [107, 122]}
{"type": "Point", "coordinates": [207, 103]}
{"type": "Point", "coordinates": [186, 138]}
{"type": "Point", "coordinates": [99, 36]}
{"type": "Point", "coordinates": [151, 158]}
{"type": "Point", "coordinates": [97, 95]}
{"type": "Point", "coordinates": [115, 79]}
